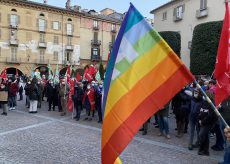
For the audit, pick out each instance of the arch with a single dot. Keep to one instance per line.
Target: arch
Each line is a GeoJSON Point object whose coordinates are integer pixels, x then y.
{"type": "Point", "coordinates": [69, 19]}
{"type": "Point", "coordinates": [11, 72]}
{"type": "Point", "coordinates": [42, 15]}
{"type": "Point", "coordinates": [43, 70]}
{"type": "Point", "coordinates": [14, 10]}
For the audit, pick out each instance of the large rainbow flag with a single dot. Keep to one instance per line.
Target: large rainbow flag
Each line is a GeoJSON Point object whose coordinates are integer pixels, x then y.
{"type": "Point", "coordinates": [143, 75]}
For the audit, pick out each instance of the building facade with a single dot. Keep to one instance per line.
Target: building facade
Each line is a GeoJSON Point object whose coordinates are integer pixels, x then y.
{"type": "Point", "coordinates": [33, 35]}
{"type": "Point", "coordinates": [183, 15]}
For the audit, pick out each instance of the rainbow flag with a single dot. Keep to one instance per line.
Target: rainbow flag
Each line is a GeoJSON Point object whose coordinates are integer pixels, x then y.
{"type": "Point", "coordinates": [143, 75]}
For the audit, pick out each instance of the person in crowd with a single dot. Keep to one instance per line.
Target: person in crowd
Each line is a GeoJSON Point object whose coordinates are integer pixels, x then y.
{"type": "Point", "coordinates": [34, 94]}
{"type": "Point", "coordinates": [163, 121]}
{"type": "Point", "coordinates": [44, 81]}
{"type": "Point", "coordinates": [196, 101]}
{"type": "Point", "coordinates": [89, 101]}
{"type": "Point", "coordinates": [27, 88]}
{"type": "Point", "coordinates": [63, 93]}
{"type": "Point", "coordinates": [227, 133]}
{"type": "Point", "coordinates": [20, 91]}
{"type": "Point", "coordinates": [13, 89]}
{"type": "Point", "coordinates": [3, 97]}
{"type": "Point", "coordinates": [225, 112]}
{"type": "Point", "coordinates": [181, 109]}
{"type": "Point", "coordinates": [51, 95]}
{"type": "Point", "coordinates": [144, 129]}
{"type": "Point", "coordinates": [40, 88]}
{"type": "Point", "coordinates": [98, 98]}
{"type": "Point", "coordinates": [207, 119]}
{"type": "Point", "coordinates": [212, 86]}
{"type": "Point", "coordinates": [77, 98]}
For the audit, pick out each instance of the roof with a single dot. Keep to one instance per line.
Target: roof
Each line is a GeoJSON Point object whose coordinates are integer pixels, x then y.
{"type": "Point", "coordinates": [69, 11]}
{"type": "Point", "coordinates": [164, 5]}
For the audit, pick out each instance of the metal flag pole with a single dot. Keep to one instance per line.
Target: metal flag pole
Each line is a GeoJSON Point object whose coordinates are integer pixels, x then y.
{"type": "Point", "coordinates": [212, 105]}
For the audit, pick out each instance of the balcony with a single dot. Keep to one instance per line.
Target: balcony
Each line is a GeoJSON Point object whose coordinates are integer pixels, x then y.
{"type": "Point", "coordinates": [67, 62]}
{"type": "Point", "coordinates": [114, 31]}
{"type": "Point", "coordinates": [13, 60]}
{"type": "Point", "coordinates": [95, 57]}
{"type": "Point", "coordinates": [42, 45]}
{"type": "Point", "coordinates": [14, 26]}
{"type": "Point", "coordinates": [42, 61]}
{"type": "Point", "coordinates": [95, 42]}
{"type": "Point", "coordinates": [69, 47]}
{"type": "Point", "coordinates": [201, 13]}
{"type": "Point", "coordinates": [14, 42]}
{"type": "Point", "coordinates": [177, 18]}
{"type": "Point", "coordinates": [96, 28]}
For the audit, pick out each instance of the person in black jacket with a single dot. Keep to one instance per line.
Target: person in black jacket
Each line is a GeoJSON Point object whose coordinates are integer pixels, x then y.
{"type": "Point", "coordinates": [77, 98]}
{"type": "Point", "coordinates": [52, 95]}
{"type": "Point", "coordinates": [207, 119]}
{"type": "Point", "coordinates": [34, 94]}
{"type": "Point", "coordinates": [26, 88]}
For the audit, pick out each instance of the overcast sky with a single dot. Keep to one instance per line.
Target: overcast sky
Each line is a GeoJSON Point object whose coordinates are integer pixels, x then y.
{"type": "Point", "coordinates": [144, 6]}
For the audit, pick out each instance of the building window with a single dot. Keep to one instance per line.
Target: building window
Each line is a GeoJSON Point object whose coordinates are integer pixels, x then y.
{"type": "Point", "coordinates": [56, 25]}
{"type": "Point", "coordinates": [14, 20]}
{"type": "Point", "coordinates": [113, 27]}
{"type": "Point", "coordinates": [55, 55]}
{"type": "Point", "coordinates": [69, 41]}
{"type": "Point", "coordinates": [42, 38]}
{"type": "Point", "coordinates": [56, 40]}
{"type": "Point", "coordinates": [179, 11]}
{"type": "Point", "coordinates": [41, 15]}
{"type": "Point", "coordinates": [95, 36]}
{"type": "Point", "coordinates": [203, 4]}
{"type": "Point", "coordinates": [14, 54]}
{"type": "Point", "coordinates": [41, 25]}
{"type": "Point", "coordinates": [42, 55]}
{"type": "Point", "coordinates": [69, 29]}
{"type": "Point", "coordinates": [68, 56]}
{"type": "Point", "coordinates": [164, 16]}
{"type": "Point", "coordinates": [95, 52]}
{"type": "Point", "coordinates": [95, 24]}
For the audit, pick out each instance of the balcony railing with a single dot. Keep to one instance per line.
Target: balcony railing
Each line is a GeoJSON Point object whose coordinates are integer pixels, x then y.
{"type": "Point", "coordinates": [14, 60]}
{"type": "Point", "coordinates": [202, 13]}
{"type": "Point", "coordinates": [69, 47]}
{"type": "Point", "coordinates": [13, 26]}
{"type": "Point", "coordinates": [66, 62]}
{"type": "Point", "coordinates": [42, 44]}
{"type": "Point", "coordinates": [95, 57]}
{"type": "Point", "coordinates": [95, 42]}
{"type": "Point", "coordinates": [14, 42]}
{"type": "Point", "coordinates": [178, 17]}
{"type": "Point", "coordinates": [96, 27]}
{"type": "Point", "coordinates": [42, 61]}
{"type": "Point", "coordinates": [114, 31]}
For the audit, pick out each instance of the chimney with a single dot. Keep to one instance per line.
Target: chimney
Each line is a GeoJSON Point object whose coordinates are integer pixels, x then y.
{"type": "Point", "coordinates": [67, 4]}
{"type": "Point", "coordinates": [45, 1]}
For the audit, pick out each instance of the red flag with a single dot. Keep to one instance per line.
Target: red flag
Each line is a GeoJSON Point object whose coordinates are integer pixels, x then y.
{"type": "Point", "coordinates": [71, 93]}
{"type": "Point", "coordinates": [4, 74]}
{"type": "Point", "coordinates": [222, 68]}
{"type": "Point", "coordinates": [87, 76]}
{"type": "Point", "coordinates": [78, 76]}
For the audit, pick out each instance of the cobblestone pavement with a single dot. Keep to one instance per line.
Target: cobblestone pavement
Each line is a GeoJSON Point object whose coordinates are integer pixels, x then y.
{"type": "Point", "coordinates": [48, 138]}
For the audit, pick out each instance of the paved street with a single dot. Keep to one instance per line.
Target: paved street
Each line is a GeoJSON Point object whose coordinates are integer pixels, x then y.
{"type": "Point", "coordinates": [48, 138]}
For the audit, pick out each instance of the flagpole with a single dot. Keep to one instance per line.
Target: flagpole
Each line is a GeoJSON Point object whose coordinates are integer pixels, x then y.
{"type": "Point", "coordinates": [212, 105]}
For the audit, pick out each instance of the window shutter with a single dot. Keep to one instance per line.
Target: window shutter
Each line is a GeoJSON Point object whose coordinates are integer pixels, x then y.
{"type": "Point", "coordinates": [205, 4]}
{"type": "Point", "coordinates": [72, 28]}
{"type": "Point", "coordinates": [45, 23]}
{"type": "Point", "coordinates": [59, 25]}
{"type": "Point", "coordinates": [183, 8]}
{"type": "Point", "coordinates": [37, 22]}
{"type": "Point", "coordinates": [9, 18]}
{"type": "Point", "coordinates": [174, 11]}
{"type": "Point", "coordinates": [98, 51]}
{"type": "Point", "coordinates": [18, 19]}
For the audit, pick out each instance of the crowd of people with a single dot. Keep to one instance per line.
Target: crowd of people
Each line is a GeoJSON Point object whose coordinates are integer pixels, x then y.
{"type": "Point", "coordinates": [193, 114]}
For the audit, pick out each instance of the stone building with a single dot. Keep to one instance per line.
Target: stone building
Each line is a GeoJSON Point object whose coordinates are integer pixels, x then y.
{"type": "Point", "coordinates": [33, 35]}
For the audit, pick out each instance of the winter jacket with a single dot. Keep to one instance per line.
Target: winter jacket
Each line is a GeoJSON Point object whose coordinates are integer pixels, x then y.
{"type": "Point", "coordinates": [195, 108]}
{"type": "Point", "coordinates": [34, 93]}
{"type": "Point", "coordinates": [207, 115]}
{"type": "Point", "coordinates": [13, 89]}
